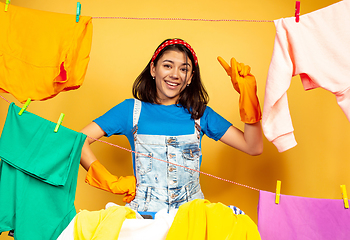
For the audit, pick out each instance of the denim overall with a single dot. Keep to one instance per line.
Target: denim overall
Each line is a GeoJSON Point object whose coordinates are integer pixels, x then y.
{"type": "Point", "coordinates": [161, 184]}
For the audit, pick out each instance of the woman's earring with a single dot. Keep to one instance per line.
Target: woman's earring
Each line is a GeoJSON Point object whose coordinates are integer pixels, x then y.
{"type": "Point", "coordinates": [188, 85]}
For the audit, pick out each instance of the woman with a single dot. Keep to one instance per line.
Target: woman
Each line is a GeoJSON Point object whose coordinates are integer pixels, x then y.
{"type": "Point", "coordinates": [165, 124]}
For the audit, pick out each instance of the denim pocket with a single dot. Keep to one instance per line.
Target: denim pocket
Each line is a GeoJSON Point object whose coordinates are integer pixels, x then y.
{"type": "Point", "coordinates": [191, 158]}
{"type": "Point", "coordinates": [144, 163]}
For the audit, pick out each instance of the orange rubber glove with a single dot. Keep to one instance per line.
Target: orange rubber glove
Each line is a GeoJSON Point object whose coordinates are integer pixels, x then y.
{"type": "Point", "coordinates": [98, 176]}
{"type": "Point", "coordinates": [245, 84]}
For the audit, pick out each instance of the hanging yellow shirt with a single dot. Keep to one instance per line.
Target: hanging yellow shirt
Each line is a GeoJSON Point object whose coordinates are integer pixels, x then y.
{"type": "Point", "coordinates": [202, 220]}
{"type": "Point", "coordinates": [42, 53]}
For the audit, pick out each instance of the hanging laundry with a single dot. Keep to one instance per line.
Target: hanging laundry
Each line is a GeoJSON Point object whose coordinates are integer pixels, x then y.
{"type": "Point", "coordinates": [202, 220]}
{"type": "Point", "coordinates": [317, 48]}
{"type": "Point", "coordinates": [42, 53]}
{"type": "Point", "coordinates": [302, 218]}
{"type": "Point", "coordinates": [38, 176]}
{"type": "Point", "coordinates": [103, 224]}
{"type": "Point", "coordinates": [131, 229]}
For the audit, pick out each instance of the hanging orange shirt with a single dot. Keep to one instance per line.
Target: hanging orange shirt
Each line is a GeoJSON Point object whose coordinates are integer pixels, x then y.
{"type": "Point", "coordinates": [42, 53]}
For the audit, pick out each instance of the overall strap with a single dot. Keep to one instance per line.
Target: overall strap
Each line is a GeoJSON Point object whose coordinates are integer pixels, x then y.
{"type": "Point", "coordinates": [136, 115]}
{"type": "Point", "coordinates": [197, 127]}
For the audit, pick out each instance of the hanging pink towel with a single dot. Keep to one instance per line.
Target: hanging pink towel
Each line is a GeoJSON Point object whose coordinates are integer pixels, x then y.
{"type": "Point", "coordinates": [317, 48]}
{"type": "Point", "coordinates": [302, 218]}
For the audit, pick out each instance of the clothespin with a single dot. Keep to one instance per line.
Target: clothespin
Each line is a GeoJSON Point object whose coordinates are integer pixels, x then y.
{"type": "Point", "coordinates": [25, 106]}
{"type": "Point", "coordinates": [278, 192]}
{"type": "Point", "coordinates": [345, 196]}
{"type": "Point", "coordinates": [59, 122]}
{"type": "Point", "coordinates": [12, 233]}
{"type": "Point", "coordinates": [78, 12]}
{"type": "Point", "coordinates": [7, 5]}
{"type": "Point", "coordinates": [297, 11]}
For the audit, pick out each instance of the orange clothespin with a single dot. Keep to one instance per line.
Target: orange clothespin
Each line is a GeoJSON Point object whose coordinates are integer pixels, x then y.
{"type": "Point", "coordinates": [345, 196]}
{"type": "Point", "coordinates": [25, 106]}
{"type": "Point", "coordinates": [7, 5]}
{"type": "Point", "coordinates": [78, 12]}
{"type": "Point", "coordinates": [297, 11]}
{"type": "Point", "coordinates": [278, 192]}
{"type": "Point", "coordinates": [59, 122]}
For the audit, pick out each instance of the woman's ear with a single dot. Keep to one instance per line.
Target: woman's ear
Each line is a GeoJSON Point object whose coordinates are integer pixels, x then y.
{"type": "Point", "coordinates": [152, 70]}
{"type": "Point", "coordinates": [190, 79]}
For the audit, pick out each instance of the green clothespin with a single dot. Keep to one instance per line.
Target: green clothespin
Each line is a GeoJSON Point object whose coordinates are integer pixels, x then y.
{"type": "Point", "coordinates": [59, 122]}
{"type": "Point", "coordinates": [7, 5]}
{"type": "Point", "coordinates": [25, 106]}
{"type": "Point", "coordinates": [78, 12]}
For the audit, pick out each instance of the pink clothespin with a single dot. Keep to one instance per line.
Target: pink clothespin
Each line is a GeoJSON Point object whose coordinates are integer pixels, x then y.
{"type": "Point", "coordinates": [297, 11]}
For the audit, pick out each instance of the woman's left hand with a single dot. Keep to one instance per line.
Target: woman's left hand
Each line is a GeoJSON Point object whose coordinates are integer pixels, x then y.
{"type": "Point", "coordinates": [245, 84]}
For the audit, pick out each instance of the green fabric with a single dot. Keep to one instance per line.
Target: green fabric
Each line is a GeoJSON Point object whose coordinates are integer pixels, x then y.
{"type": "Point", "coordinates": [38, 176]}
{"type": "Point", "coordinates": [29, 143]}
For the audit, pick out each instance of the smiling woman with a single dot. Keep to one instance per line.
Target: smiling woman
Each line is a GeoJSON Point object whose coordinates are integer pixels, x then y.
{"type": "Point", "coordinates": [171, 76]}
{"type": "Point", "coordinates": [191, 93]}
{"type": "Point", "coordinates": [166, 120]}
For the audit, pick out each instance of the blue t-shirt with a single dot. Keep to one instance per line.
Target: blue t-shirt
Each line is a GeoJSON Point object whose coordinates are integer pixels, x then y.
{"type": "Point", "coordinates": [156, 119]}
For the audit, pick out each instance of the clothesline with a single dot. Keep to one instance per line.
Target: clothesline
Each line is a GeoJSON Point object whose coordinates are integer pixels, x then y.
{"type": "Point", "coordinates": [178, 165]}
{"type": "Point", "coordinates": [5, 99]}
{"type": "Point", "coordinates": [131, 151]}
{"type": "Point", "coordinates": [184, 19]}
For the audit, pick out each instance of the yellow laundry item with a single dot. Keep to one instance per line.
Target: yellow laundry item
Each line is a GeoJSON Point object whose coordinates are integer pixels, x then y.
{"type": "Point", "coordinates": [101, 225]}
{"type": "Point", "coordinates": [42, 53]}
{"type": "Point", "coordinates": [245, 84]}
{"type": "Point", "coordinates": [98, 176]}
{"type": "Point", "coordinates": [202, 220]}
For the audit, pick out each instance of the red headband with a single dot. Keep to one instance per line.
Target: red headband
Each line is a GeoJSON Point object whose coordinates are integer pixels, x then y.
{"type": "Point", "coordinates": [172, 42]}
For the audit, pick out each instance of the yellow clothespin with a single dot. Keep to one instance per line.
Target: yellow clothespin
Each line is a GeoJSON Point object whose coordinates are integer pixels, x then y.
{"type": "Point", "coordinates": [25, 106]}
{"type": "Point", "coordinates": [7, 5]}
{"type": "Point", "coordinates": [345, 196]}
{"type": "Point", "coordinates": [78, 12]}
{"type": "Point", "coordinates": [59, 122]}
{"type": "Point", "coordinates": [278, 192]}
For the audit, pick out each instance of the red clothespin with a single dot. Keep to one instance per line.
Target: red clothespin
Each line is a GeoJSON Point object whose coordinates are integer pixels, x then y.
{"type": "Point", "coordinates": [297, 11]}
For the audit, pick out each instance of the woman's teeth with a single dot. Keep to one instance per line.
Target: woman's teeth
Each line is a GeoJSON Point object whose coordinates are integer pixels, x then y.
{"type": "Point", "coordinates": [172, 84]}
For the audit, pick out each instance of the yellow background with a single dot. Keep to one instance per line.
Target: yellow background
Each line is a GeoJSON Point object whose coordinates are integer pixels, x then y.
{"type": "Point", "coordinates": [316, 167]}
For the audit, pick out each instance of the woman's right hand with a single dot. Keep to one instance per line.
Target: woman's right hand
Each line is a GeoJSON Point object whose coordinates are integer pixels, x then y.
{"type": "Point", "coordinates": [98, 176]}
{"type": "Point", "coordinates": [92, 131]}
